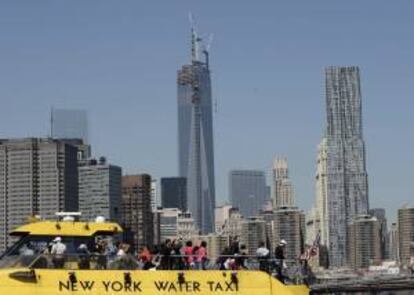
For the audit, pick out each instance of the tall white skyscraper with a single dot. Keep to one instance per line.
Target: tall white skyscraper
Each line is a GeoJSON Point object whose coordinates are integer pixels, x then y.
{"type": "Point", "coordinates": [347, 186]}
{"type": "Point", "coordinates": [283, 195]}
{"type": "Point", "coordinates": [321, 208]}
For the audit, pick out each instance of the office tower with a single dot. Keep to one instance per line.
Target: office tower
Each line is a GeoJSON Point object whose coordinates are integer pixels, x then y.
{"type": "Point", "coordinates": [38, 176]}
{"type": "Point", "coordinates": [69, 124]}
{"type": "Point", "coordinates": [155, 195]}
{"type": "Point", "coordinates": [406, 234]}
{"type": "Point", "coordinates": [393, 242]}
{"type": "Point", "coordinates": [100, 190]}
{"type": "Point", "coordinates": [137, 217]}
{"type": "Point", "coordinates": [347, 187]}
{"type": "Point", "coordinates": [289, 227]}
{"type": "Point", "coordinates": [379, 213]}
{"type": "Point", "coordinates": [174, 193]}
{"type": "Point", "coordinates": [175, 224]}
{"type": "Point", "coordinates": [253, 231]}
{"type": "Point", "coordinates": [282, 186]}
{"type": "Point", "coordinates": [195, 136]}
{"type": "Point", "coordinates": [364, 241]}
{"type": "Point", "coordinates": [247, 191]}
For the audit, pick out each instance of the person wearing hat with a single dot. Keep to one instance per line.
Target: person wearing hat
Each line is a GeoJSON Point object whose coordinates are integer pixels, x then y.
{"type": "Point", "coordinates": [58, 250]}
{"type": "Point", "coordinates": [280, 256]}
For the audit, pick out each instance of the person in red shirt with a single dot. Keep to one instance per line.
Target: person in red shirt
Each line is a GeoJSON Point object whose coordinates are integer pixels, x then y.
{"type": "Point", "coordinates": [188, 255]}
{"type": "Point", "coordinates": [201, 257]}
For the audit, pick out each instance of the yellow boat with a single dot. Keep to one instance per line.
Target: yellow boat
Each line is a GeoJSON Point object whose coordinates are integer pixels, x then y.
{"type": "Point", "coordinates": [26, 269]}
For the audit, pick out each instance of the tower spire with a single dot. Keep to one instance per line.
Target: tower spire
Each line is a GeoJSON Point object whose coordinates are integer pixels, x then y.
{"type": "Point", "coordinates": [194, 40]}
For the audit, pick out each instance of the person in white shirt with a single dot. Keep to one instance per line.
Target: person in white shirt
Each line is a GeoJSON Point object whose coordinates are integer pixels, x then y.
{"type": "Point", "coordinates": [58, 250]}
{"type": "Point", "coordinates": [263, 256]}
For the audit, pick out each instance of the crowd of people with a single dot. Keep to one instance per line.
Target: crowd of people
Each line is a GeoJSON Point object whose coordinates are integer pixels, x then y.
{"type": "Point", "coordinates": [170, 255]}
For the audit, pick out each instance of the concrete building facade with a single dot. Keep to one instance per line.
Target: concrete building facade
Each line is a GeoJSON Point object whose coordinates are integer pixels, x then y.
{"type": "Point", "coordinates": [364, 242]}
{"type": "Point", "coordinates": [175, 224]}
{"type": "Point", "coordinates": [283, 195]}
{"type": "Point", "coordinates": [253, 231]}
{"type": "Point", "coordinates": [137, 216]}
{"type": "Point", "coordinates": [100, 190]}
{"type": "Point", "coordinates": [289, 222]}
{"type": "Point", "coordinates": [406, 234]}
{"type": "Point", "coordinates": [38, 176]}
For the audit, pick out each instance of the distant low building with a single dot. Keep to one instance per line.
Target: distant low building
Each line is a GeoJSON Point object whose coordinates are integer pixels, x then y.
{"type": "Point", "coordinates": [289, 223]}
{"type": "Point", "coordinates": [253, 232]}
{"type": "Point", "coordinates": [175, 224]}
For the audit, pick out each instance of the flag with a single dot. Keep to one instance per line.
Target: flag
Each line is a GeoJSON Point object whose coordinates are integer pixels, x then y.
{"type": "Point", "coordinates": [313, 250]}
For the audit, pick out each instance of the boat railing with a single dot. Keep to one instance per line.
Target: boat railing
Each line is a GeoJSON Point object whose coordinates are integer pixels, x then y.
{"type": "Point", "coordinates": [287, 270]}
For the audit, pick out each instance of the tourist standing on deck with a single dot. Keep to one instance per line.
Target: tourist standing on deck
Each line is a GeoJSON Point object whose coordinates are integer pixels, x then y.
{"type": "Point", "coordinates": [201, 256]}
{"type": "Point", "coordinates": [263, 255]}
{"type": "Point", "coordinates": [188, 255]}
{"type": "Point", "coordinates": [280, 257]}
{"type": "Point", "coordinates": [58, 250]}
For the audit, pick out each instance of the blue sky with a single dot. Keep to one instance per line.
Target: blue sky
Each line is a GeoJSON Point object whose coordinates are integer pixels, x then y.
{"type": "Point", "coordinates": [118, 60]}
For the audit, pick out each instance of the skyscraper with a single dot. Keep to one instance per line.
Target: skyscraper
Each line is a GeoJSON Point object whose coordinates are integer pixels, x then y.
{"type": "Point", "coordinates": [174, 193]}
{"type": "Point", "coordinates": [282, 186]}
{"type": "Point", "coordinates": [195, 136]}
{"type": "Point", "coordinates": [347, 186]}
{"type": "Point", "coordinates": [137, 216]}
{"type": "Point", "coordinates": [69, 124]}
{"type": "Point", "coordinates": [321, 208]}
{"type": "Point", "coordinates": [247, 191]}
{"type": "Point", "coordinates": [38, 176]}
{"type": "Point", "coordinates": [100, 190]}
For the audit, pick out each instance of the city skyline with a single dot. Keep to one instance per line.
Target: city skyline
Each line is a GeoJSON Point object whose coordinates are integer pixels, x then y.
{"type": "Point", "coordinates": [243, 125]}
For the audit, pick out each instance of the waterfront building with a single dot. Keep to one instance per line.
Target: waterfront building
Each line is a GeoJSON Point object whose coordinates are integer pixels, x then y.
{"type": "Point", "coordinates": [282, 185]}
{"type": "Point", "coordinates": [38, 176]}
{"type": "Point", "coordinates": [346, 175]}
{"type": "Point", "coordinates": [247, 191]}
{"type": "Point", "coordinates": [406, 234]}
{"type": "Point", "coordinates": [364, 242]}
{"type": "Point", "coordinates": [100, 191]}
{"type": "Point", "coordinates": [137, 217]}
{"type": "Point", "coordinates": [253, 232]}
{"type": "Point", "coordinates": [174, 193]}
{"type": "Point", "coordinates": [195, 136]}
{"type": "Point", "coordinates": [288, 226]}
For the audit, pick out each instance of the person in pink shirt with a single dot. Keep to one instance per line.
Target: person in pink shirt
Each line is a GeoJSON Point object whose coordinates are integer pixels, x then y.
{"type": "Point", "coordinates": [201, 257]}
{"type": "Point", "coordinates": [188, 255]}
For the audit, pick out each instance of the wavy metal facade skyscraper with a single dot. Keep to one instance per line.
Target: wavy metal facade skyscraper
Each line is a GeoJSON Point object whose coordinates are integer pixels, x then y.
{"type": "Point", "coordinates": [195, 136]}
{"type": "Point", "coordinates": [347, 185]}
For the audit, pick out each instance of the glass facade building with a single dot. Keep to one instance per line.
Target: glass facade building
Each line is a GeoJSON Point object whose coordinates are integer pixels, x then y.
{"type": "Point", "coordinates": [69, 124]}
{"type": "Point", "coordinates": [247, 191]}
{"type": "Point", "coordinates": [195, 137]}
